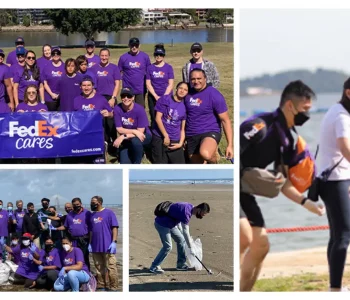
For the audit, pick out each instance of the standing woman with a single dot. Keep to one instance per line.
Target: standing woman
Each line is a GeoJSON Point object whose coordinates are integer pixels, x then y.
{"type": "Point", "coordinates": [51, 76]}
{"type": "Point", "coordinates": [31, 101]}
{"type": "Point", "coordinates": [169, 132]}
{"type": "Point", "coordinates": [159, 79]}
{"type": "Point", "coordinates": [334, 188]}
{"type": "Point", "coordinates": [46, 58]}
{"type": "Point", "coordinates": [30, 76]}
{"type": "Point", "coordinates": [69, 85]}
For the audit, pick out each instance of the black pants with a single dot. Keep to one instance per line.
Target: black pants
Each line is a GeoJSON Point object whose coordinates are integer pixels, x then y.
{"type": "Point", "coordinates": [151, 104]}
{"type": "Point", "coordinates": [53, 106]}
{"type": "Point", "coordinates": [109, 126]}
{"type": "Point", "coordinates": [162, 155]}
{"type": "Point", "coordinates": [335, 195]}
{"type": "Point", "coordinates": [47, 280]}
{"type": "Point", "coordinates": [140, 99]}
{"type": "Point", "coordinates": [83, 244]}
{"type": "Point", "coordinates": [19, 279]}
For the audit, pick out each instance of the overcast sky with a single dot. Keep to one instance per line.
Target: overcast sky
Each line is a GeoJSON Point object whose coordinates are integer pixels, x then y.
{"type": "Point", "coordinates": [273, 40]}
{"type": "Point", "coordinates": [33, 185]}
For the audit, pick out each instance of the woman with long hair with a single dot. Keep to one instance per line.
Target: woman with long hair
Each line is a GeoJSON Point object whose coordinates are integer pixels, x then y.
{"type": "Point", "coordinates": [45, 58]}
{"type": "Point", "coordinates": [31, 101]}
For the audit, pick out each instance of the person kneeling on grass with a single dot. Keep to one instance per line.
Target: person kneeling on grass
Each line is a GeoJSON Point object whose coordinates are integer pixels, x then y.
{"type": "Point", "coordinates": [74, 271]}
{"type": "Point", "coordinates": [169, 226]}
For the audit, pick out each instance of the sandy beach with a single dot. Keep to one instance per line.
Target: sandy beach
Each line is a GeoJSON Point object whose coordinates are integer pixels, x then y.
{"type": "Point", "coordinates": [215, 231]}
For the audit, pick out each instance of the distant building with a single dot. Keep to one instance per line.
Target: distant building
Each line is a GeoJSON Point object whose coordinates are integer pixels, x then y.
{"type": "Point", "coordinates": [179, 16]}
{"type": "Point", "coordinates": [154, 17]}
{"type": "Point", "coordinates": [201, 13]}
{"type": "Point", "coordinates": [37, 16]}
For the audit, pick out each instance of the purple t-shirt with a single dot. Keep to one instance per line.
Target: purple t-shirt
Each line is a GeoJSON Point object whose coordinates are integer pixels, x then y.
{"type": "Point", "coordinates": [202, 111]}
{"type": "Point", "coordinates": [159, 77]}
{"type": "Point", "coordinates": [18, 216]}
{"type": "Point", "coordinates": [173, 114]}
{"type": "Point", "coordinates": [102, 223]}
{"type": "Point", "coordinates": [195, 66]}
{"type": "Point", "coordinates": [30, 108]}
{"type": "Point", "coordinates": [23, 83]}
{"type": "Point", "coordinates": [52, 75]}
{"type": "Point", "coordinates": [134, 68]}
{"type": "Point", "coordinates": [15, 69]}
{"type": "Point", "coordinates": [4, 108]}
{"type": "Point", "coordinates": [133, 119]}
{"type": "Point", "coordinates": [4, 219]}
{"type": "Point", "coordinates": [4, 74]}
{"type": "Point", "coordinates": [72, 257]}
{"type": "Point", "coordinates": [41, 62]}
{"type": "Point", "coordinates": [26, 268]}
{"type": "Point", "coordinates": [52, 259]}
{"type": "Point", "coordinates": [78, 224]}
{"type": "Point", "coordinates": [178, 212]}
{"type": "Point", "coordinates": [97, 102]}
{"type": "Point", "coordinates": [93, 60]}
{"type": "Point", "coordinates": [15, 255]}
{"type": "Point", "coordinates": [69, 88]}
{"type": "Point", "coordinates": [12, 57]}
{"type": "Point", "coordinates": [106, 77]}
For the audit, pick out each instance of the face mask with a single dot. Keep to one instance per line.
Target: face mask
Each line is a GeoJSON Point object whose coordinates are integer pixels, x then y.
{"type": "Point", "coordinates": [68, 210]}
{"type": "Point", "coordinates": [9, 208]}
{"type": "Point", "coordinates": [301, 117]}
{"type": "Point", "coordinates": [30, 211]}
{"type": "Point", "coordinates": [14, 242]}
{"type": "Point", "coordinates": [66, 247]}
{"type": "Point", "coordinates": [48, 248]}
{"type": "Point", "coordinates": [198, 215]}
{"type": "Point", "coordinates": [94, 207]}
{"type": "Point", "coordinates": [76, 208]}
{"type": "Point", "coordinates": [26, 242]}
{"type": "Point", "coordinates": [0, 206]}
{"type": "Point", "coordinates": [45, 205]}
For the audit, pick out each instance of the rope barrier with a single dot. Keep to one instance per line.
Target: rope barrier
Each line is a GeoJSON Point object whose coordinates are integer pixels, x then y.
{"type": "Point", "coordinates": [297, 229]}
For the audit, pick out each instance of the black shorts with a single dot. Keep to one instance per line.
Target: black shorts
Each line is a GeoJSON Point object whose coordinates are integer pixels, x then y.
{"type": "Point", "coordinates": [194, 142]}
{"type": "Point", "coordinates": [162, 155]}
{"type": "Point", "coordinates": [250, 209]}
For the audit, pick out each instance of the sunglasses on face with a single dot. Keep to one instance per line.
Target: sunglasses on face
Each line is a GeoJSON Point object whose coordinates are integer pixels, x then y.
{"type": "Point", "coordinates": [161, 55]}
{"type": "Point", "coordinates": [134, 45]}
{"type": "Point", "coordinates": [126, 96]}
{"type": "Point", "coordinates": [31, 57]}
{"type": "Point", "coordinates": [31, 93]}
{"type": "Point", "coordinates": [196, 51]}
{"type": "Point", "coordinates": [56, 53]}
{"type": "Point", "coordinates": [20, 55]}
{"type": "Point", "coordinates": [19, 43]}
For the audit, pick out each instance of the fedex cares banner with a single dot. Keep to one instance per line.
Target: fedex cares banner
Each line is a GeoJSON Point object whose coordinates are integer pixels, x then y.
{"type": "Point", "coordinates": [51, 134]}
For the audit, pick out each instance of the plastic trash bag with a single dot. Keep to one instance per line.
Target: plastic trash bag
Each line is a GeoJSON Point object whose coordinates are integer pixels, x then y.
{"type": "Point", "coordinates": [13, 267]}
{"type": "Point", "coordinates": [90, 286]}
{"type": "Point", "coordinates": [197, 247]}
{"type": "Point", "coordinates": [4, 273]}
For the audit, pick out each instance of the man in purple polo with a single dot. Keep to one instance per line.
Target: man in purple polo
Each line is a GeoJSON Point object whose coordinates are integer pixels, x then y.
{"type": "Point", "coordinates": [4, 219]}
{"type": "Point", "coordinates": [18, 67]}
{"type": "Point", "coordinates": [11, 57]}
{"type": "Point", "coordinates": [174, 224]}
{"type": "Point", "coordinates": [103, 243]}
{"type": "Point", "coordinates": [18, 215]}
{"type": "Point", "coordinates": [6, 92]}
{"type": "Point", "coordinates": [133, 66]}
{"type": "Point", "coordinates": [92, 58]}
{"type": "Point", "coordinates": [206, 111]}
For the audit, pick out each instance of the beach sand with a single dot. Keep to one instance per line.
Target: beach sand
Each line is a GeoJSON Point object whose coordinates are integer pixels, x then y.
{"type": "Point", "coordinates": [215, 231]}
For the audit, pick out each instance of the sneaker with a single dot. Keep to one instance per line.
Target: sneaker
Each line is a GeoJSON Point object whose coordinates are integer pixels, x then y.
{"type": "Point", "coordinates": [183, 268]}
{"type": "Point", "coordinates": [156, 270]}
{"type": "Point", "coordinates": [11, 279]}
{"type": "Point", "coordinates": [343, 289]}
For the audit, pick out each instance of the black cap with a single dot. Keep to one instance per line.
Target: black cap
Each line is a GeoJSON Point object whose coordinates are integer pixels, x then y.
{"type": "Point", "coordinates": [45, 199]}
{"type": "Point", "coordinates": [56, 50]}
{"type": "Point", "coordinates": [127, 91]}
{"type": "Point", "coordinates": [2, 53]}
{"type": "Point", "coordinates": [19, 40]}
{"type": "Point", "coordinates": [159, 51]}
{"type": "Point", "coordinates": [347, 84]}
{"type": "Point", "coordinates": [89, 43]}
{"type": "Point", "coordinates": [87, 78]}
{"type": "Point", "coordinates": [196, 46]}
{"type": "Point", "coordinates": [134, 41]}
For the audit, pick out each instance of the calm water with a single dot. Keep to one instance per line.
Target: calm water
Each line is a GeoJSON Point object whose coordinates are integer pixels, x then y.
{"type": "Point", "coordinates": [122, 37]}
{"type": "Point", "coordinates": [180, 181]}
{"type": "Point", "coordinates": [282, 212]}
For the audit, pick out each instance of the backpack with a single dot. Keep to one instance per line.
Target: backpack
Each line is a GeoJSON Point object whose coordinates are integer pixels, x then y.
{"type": "Point", "coordinates": [162, 209]}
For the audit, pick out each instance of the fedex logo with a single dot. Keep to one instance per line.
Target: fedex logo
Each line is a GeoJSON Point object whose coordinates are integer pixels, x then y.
{"type": "Point", "coordinates": [25, 254]}
{"type": "Point", "coordinates": [103, 73]}
{"type": "Point", "coordinates": [88, 107]}
{"type": "Point", "coordinates": [98, 220]}
{"type": "Point", "coordinates": [159, 74]}
{"type": "Point", "coordinates": [256, 128]}
{"type": "Point", "coordinates": [134, 65]}
{"type": "Point", "coordinates": [91, 63]}
{"type": "Point", "coordinates": [77, 221]}
{"type": "Point", "coordinates": [56, 74]}
{"type": "Point", "coordinates": [68, 261]}
{"type": "Point", "coordinates": [40, 128]}
{"type": "Point", "coordinates": [1, 216]}
{"type": "Point", "coordinates": [49, 258]}
{"type": "Point", "coordinates": [128, 121]}
{"type": "Point", "coordinates": [195, 102]}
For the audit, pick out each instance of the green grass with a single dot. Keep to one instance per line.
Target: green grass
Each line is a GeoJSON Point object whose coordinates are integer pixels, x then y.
{"type": "Point", "coordinates": [221, 54]}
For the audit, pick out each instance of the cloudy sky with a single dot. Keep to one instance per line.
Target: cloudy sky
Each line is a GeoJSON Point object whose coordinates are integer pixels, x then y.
{"type": "Point", "coordinates": [273, 40]}
{"type": "Point", "coordinates": [33, 185]}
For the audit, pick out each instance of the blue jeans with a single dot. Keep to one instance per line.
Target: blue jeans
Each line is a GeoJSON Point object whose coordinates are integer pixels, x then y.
{"type": "Point", "coordinates": [165, 235]}
{"type": "Point", "coordinates": [131, 150]}
{"type": "Point", "coordinates": [72, 281]}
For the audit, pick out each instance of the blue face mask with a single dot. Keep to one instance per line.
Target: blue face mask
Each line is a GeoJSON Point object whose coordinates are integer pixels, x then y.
{"type": "Point", "coordinates": [0, 206]}
{"type": "Point", "coordinates": [9, 208]}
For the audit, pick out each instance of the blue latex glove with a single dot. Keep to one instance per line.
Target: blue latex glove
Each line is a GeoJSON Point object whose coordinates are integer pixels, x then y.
{"type": "Point", "coordinates": [90, 248]}
{"type": "Point", "coordinates": [10, 214]}
{"type": "Point", "coordinates": [62, 273]}
{"type": "Point", "coordinates": [41, 268]}
{"type": "Point", "coordinates": [112, 248]}
{"type": "Point", "coordinates": [59, 215]}
{"type": "Point", "coordinates": [30, 257]}
{"type": "Point", "coordinates": [2, 241]}
{"type": "Point", "coordinates": [52, 228]}
{"type": "Point", "coordinates": [40, 219]}
{"type": "Point", "coordinates": [32, 248]}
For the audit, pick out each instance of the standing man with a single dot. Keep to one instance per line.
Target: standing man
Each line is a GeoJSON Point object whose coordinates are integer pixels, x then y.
{"type": "Point", "coordinates": [133, 66]}
{"type": "Point", "coordinates": [6, 92]}
{"type": "Point", "coordinates": [18, 215]}
{"type": "Point", "coordinates": [11, 57]}
{"type": "Point", "coordinates": [92, 58]}
{"type": "Point", "coordinates": [103, 243]}
{"type": "Point", "coordinates": [175, 225]}
{"type": "Point", "coordinates": [206, 112]}
{"type": "Point", "coordinates": [198, 62]}
{"type": "Point", "coordinates": [17, 68]}
{"type": "Point", "coordinates": [32, 225]}
{"type": "Point", "coordinates": [43, 213]}
{"type": "Point", "coordinates": [3, 230]}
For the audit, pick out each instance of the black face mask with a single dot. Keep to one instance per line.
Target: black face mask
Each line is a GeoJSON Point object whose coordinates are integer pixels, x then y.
{"type": "Point", "coordinates": [94, 207]}
{"type": "Point", "coordinates": [198, 215]}
{"type": "Point", "coordinates": [48, 248]}
{"type": "Point", "coordinates": [30, 211]}
{"type": "Point", "coordinates": [76, 208]}
{"type": "Point", "coordinates": [301, 117]}
{"type": "Point", "coordinates": [45, 205]}
{"type": "Point", "coordinates": [68, 210]}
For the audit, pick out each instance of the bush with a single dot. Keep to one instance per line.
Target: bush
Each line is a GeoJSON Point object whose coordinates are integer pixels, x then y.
{"type": "Point", "coordinates": [26, 21]}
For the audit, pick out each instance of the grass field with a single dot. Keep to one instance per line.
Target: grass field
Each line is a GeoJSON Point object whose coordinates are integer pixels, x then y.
{"type": "Point", "coordinates": [221, 54]}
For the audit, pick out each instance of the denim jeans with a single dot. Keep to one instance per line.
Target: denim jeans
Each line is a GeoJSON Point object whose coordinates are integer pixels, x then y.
{"type": "Point", "coordinates": [131, 150]}
{"type": "Point", "coordinates": [72, 281]}
{"type": "Point", "coordinates": [165, 235]}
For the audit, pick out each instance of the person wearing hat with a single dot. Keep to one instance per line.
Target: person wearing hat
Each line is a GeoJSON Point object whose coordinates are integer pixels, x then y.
{"type": "Point", "coordinates": [92, 58]}
{"type": "Point", "coordinates": [11, 57]}
{"type": "Point", "coordinates": [18, 67]}
{"type": "Point", "coordinates": [159, 79]}
{"type": "Point", "coordinates": [32, 225]}
{"type": "Point", "coordinates": [51, 76]}
{"type": "Point", "coordinates": [5, 85]}
{"type": "Point", "coordinates": [198, 62]}
{"type": "Point", "coordinates": [45, 58]}
{"type": "Point", "coordinates": [133, 66]}
{"type": "Point", "coordinates": [260, 146]}
{"type": "Point", "coordinates": [133, 128]}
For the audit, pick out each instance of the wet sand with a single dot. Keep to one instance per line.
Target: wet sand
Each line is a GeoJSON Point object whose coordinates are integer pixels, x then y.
{"type": "Point", "coordinates": [215, 231]}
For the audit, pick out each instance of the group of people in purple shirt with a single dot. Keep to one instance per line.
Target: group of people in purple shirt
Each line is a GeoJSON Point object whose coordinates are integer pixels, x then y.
{"type": "Point", "coordinates": [52, 250]}
{"type": "Point", "coordinates": [185, 125]}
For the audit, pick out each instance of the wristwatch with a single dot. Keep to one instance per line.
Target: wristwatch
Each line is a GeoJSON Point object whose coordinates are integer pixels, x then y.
{"type": "Point", "coordinates": [115, 241]}
{"type": "Point", "coordinates": [114, 97]}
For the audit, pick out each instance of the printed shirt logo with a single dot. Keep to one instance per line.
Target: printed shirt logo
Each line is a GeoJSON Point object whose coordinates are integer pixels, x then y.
{"type": "Point", "coordinates": [256, 128]}
{"type": "Point", "coordinates": [91, 63]}
{"type": "Point", "coordinates": [88, 107]}
{"type": "Point", "coordinates": [31, 79]}
{"type": "Point", "coordinates": [135, 65]}
{"type": "Point", "coordinates": [1, 216]}
{"type": "Point", "coordinates": [25, 254]}
{"type": "Point", "coordinates": [98, 220]}
{"type": "Point", "coordinates": [195, 102]}
{"type": "Point", "coordinates": [159, 74]}
{"type": "Point", "coordinates": [68, 261]}
{"type": "Point", "coordinates": [77, 221]}
{"type": "Point", "coordinates": [49, 258]}
{"type": "Point", "coordinates": [102, 73]}
{"type": "Point", "coordinates": [21, 215]}
{"type": "Point", "coordinates": [56, 74]}
{"type": "Point", "coordinates": [172, 116]}
{"type": "Point", "coordinates": [128, 121]}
